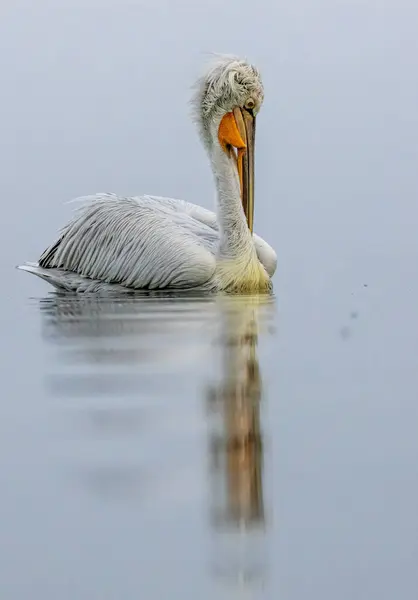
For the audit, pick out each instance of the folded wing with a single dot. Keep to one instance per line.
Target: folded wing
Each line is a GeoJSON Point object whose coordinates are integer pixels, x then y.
{"type": "Point", "coordinates": [135, 242]}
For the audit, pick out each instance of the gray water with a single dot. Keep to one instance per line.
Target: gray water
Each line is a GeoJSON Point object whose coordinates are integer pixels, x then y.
{"type": "Point", "coordinates": [205, 447]}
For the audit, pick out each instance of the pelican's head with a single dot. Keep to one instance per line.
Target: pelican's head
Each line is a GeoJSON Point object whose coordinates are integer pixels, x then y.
{"type": "Point", "coordinates": [227, 99]}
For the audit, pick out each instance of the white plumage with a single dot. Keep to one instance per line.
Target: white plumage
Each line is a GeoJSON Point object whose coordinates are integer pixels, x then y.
{"type": "Point", "coordinates": [149, 242]}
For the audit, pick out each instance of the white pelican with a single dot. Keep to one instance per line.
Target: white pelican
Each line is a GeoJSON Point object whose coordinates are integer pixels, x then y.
{"type": "Point", "coordinates": [154, 243]}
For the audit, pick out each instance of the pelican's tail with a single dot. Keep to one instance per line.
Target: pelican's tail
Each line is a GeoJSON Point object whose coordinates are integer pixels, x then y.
{"type": "Point", "coordinates": [56, 277]}
{"type": "Point", "coordinates": [68, 281]}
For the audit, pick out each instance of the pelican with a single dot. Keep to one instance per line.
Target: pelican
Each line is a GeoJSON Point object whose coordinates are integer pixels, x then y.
{"type": "Point", "coordinates": [155, 243]}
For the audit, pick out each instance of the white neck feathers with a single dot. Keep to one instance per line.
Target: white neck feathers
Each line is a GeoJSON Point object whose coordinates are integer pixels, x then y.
{"type": "Point", "coordinates": [235, 237]}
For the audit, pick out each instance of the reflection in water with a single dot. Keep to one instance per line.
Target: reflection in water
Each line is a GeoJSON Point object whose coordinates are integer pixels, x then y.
{"type": "Point", "coordinates": [122, 362]}
{"type": "Point", "coordinates": [116, 364]}
{"type": "Point", "coordinates": [236, 447]}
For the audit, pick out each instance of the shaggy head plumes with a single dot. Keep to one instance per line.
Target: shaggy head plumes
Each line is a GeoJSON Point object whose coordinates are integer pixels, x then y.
{"type": "Point", "coordinates": [227, 83]}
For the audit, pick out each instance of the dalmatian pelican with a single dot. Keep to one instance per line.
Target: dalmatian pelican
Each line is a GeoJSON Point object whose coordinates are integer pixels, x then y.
{"type": "Point", "coordinates": [155, 243]}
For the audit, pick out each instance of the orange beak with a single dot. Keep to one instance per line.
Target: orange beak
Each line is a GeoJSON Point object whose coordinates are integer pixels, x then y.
{"type": "Point", "coordinates": [237, 130]}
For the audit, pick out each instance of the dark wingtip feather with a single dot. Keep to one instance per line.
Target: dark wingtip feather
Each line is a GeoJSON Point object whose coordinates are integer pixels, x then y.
{"type": "Point", "coordinates": [48, 255]}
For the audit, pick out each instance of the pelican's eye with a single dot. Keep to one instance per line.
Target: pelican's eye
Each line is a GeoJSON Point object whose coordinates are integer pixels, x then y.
{"type": "Point", "coordinates": [250, 104]}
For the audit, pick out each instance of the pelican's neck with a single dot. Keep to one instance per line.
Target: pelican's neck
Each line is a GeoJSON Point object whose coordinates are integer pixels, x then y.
{"type": "Point", "coordinates": [235, 237]}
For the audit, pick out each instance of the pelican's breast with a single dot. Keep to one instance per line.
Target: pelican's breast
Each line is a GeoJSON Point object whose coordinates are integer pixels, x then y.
{"type": "Point", "coordinates": [242, 275]}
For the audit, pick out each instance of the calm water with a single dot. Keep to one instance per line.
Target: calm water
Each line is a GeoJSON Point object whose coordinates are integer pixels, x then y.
{"type": "Point", "coordinates": [213, 447]}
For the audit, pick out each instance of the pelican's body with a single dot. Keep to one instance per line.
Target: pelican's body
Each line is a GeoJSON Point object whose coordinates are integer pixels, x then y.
{"type": "Point", "coordinates": [149, 242]}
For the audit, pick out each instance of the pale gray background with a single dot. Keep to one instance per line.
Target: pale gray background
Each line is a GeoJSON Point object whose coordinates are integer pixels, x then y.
{"type": "Point", "coordinates": [94, 98]}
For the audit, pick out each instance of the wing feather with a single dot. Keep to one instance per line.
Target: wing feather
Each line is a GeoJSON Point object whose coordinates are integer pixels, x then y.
{"type": "Point", "coordinates": [134, 242]}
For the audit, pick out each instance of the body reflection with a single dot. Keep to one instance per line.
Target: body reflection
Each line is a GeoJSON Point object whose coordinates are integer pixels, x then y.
{"type": "Point", "coordinates": [236, 445]}
{"type": "Point", "coordinates": [128, 374]}
{"type": "Point", "coordinates": [122, 370]}
{"type": "Point", "coordinates": [117, 346]}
